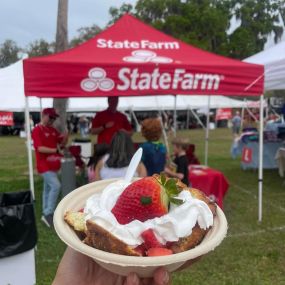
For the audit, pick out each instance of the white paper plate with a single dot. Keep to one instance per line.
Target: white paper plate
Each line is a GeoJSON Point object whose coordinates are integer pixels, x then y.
{"type": "Point", "coordinates": [121, 264]}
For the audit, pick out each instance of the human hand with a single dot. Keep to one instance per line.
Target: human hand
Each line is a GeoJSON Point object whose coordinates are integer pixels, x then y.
{"type": "Point", "coordinates": [78, 269]}
{"type": "Point", "coordinates": [109, 125]}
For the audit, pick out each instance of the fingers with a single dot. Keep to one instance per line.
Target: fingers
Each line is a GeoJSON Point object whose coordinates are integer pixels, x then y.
{"type": "Point", "coordinates": [161, 277]}
{"type": "Point", "coordinates": [132, 279]}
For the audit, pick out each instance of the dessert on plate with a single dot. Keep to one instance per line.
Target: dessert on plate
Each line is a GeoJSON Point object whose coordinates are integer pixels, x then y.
{"type": "Point", "coordinates": [152, 216]}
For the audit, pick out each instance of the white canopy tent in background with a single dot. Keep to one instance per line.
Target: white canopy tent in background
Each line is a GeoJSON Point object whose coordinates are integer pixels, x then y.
{"type": "Point", "coordinates": [273, 60]}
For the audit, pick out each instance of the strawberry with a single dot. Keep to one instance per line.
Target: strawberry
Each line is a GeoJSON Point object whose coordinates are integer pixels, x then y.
{"type": "Point", "coordinates": [145, 199]}
{"type": "Point", "coordinates": [140, 249]}
{"type": "Point", "coordinates": [150, 239]}
{"type": "Point", "coordinates": [159, 251]}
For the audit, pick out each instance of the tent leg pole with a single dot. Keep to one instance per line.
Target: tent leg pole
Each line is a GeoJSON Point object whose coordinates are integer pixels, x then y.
{"type": "Point", "coordinates": [163, 132]}
{"type": "Point", "coordinates": [197, 118]}
{"type": "Point", "coordinates": [175, 115]}
{"type": "Point", "coordinates": [29, 146]}
{"type": "Point", "coordinates": [135, 119]}
{"type": "Point", "coordinates": [242, 115]}
{"type": "Point", "coordinates": [187, 118]}
{"type": "Point", "coordinates": [260, 167]}
{"type": "Point", "coordinates": [207, 133]}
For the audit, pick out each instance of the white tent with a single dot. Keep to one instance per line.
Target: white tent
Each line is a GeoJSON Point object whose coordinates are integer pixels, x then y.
{"type": "Point", "coordinates": [273, 60]}
{"type": "Point", "coordinates": [12, 96]}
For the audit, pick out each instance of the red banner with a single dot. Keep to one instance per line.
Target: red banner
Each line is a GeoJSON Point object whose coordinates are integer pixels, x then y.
{"type": "Point", "coordinates": [6, 119]}
{"type": "Point", "coordinates": [224, 114]}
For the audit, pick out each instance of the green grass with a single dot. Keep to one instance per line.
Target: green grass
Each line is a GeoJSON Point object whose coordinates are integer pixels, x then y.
{"type": "Point", "coordinates": [253, 253]}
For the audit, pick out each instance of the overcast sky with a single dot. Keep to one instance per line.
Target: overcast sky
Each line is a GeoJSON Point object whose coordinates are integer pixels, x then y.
{"type": "Point", "coordinates": [25, 21]}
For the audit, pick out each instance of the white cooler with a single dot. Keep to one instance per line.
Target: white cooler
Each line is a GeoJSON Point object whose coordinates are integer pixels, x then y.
{"type": "Point", "coordinates": [18, 269]}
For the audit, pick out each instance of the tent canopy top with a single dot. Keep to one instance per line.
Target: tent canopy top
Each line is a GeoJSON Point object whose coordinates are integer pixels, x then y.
{"type": "Point", "coordinates": [130, 58]}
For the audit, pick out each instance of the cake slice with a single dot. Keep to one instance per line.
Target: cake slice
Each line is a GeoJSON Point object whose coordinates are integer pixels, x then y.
{"type": "Point", "coordinates": [100, 238]}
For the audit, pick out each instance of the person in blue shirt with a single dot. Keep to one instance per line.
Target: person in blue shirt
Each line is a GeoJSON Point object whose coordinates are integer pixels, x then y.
{"type": "Point", "coordinates": [154, 151]}
{"type": "Point", "coordinates": [236, 122]}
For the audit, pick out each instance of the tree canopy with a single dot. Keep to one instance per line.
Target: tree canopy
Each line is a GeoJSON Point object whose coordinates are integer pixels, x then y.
{"type": "Point", "coordinates": [207, 23]}
{"type": "Point", "coordinates": [203, 23]}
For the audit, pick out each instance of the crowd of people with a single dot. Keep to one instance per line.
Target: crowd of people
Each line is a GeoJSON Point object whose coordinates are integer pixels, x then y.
{"type": "Point", "coordinates": [112, 153]}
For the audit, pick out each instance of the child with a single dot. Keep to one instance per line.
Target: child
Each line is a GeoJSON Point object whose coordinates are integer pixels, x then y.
{"type": "Point", "coordinates": [154, 152]}
{"type": "Point", "coordinates": [180, 146]}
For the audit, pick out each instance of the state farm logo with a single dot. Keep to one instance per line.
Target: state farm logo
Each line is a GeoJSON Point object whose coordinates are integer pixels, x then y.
{"type": "Point", "coordinates": [97, 80]}
{"type": "Point", "coordinates": [133, 78]}
{"type": "Point", "coordinates": [143, 56]}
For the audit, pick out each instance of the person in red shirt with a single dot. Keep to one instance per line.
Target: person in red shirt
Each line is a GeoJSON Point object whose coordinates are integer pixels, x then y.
{"type": "Point", "coordinates": [108, 122]}
{"type": "Point", "coordinates": [47, 141]}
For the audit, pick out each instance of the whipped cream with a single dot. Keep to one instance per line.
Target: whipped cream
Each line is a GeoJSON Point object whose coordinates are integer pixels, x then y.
{"type": "Point", "coordinates": [177, 223]}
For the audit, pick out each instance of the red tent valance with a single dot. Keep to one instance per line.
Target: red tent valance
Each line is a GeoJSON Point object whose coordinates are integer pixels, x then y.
{"type": "Point", "coordinates": [132, 58]}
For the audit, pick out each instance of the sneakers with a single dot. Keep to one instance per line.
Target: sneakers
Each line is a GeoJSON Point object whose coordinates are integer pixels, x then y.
{"type": "Point", "coordinates": [48, 220]}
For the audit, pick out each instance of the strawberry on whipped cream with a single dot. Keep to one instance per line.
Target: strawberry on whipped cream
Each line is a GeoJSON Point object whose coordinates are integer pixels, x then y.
{"type": "Point", "coordinates": [177, 223]}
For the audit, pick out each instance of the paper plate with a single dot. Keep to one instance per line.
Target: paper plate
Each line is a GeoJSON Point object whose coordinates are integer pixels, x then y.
{"type": "Point", "coordinates": [121, 264]}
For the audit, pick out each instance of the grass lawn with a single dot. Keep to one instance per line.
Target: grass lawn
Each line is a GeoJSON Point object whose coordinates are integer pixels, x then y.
{"type": "Point", "coordinates": [252, 253]}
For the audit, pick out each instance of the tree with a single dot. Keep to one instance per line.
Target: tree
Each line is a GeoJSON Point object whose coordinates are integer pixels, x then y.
{"type": "Point", "coordinates": [258, 19]}
{"type": "Point", "coordinates": [61, 44]}
{"type": "Point", "coordinates": [205, 23]}
{"type": "Point", "coordinates": [9, 53]}
{"type": "Point", "coordinates": [116, 13]}
{"type": "Point", "coordinates": [202, 23]}
{"type": "Point", "coordinates": [85, 34]}
{"type": "Point", "coordinates": [40, 48]}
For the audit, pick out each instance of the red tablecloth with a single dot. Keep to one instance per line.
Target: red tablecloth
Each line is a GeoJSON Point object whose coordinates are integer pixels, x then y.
{"type": "Point", "coordinates": [209, 181]}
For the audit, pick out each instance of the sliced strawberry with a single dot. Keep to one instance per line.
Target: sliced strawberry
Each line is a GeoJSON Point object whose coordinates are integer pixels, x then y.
{"type": "Point", "coordinates": [150, 239]}
{"type": "Point", "coordinates": [141, 250]}
{"type": "Point", "coordinates": [169, 244]}
{"type": "Point", "coordinates": [81, 210]}
{"type": "Point", "coordinates": [159, 251]}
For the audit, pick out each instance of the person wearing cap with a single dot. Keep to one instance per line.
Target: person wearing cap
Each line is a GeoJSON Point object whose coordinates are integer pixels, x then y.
{"type": "Point", "coordinates": [108, 122]}
{"type": "Point", "coordinates": [47, 142]}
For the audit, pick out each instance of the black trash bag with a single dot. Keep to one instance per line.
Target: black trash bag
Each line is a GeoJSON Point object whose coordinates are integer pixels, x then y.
{"type": "Point", "coordinates": [18, 231]}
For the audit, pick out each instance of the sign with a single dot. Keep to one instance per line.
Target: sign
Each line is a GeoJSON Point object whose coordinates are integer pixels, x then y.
{"type": "Point", "coordinates": [224, 114]}
{"type": "Point", "coordinates": [133, 79]}
{"type": "Point", "coordinates": [6, 119]}
{"type": "Point", "coordinates": [246, 155]}
{"type": "Point", "coordinates": [126, 44]}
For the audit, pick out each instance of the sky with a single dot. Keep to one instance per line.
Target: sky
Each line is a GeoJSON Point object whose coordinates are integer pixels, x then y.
{"type": "Point", "coordinates": [25, 21]}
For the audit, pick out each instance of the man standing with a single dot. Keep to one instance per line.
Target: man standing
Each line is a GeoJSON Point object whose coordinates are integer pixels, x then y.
{"type": "Point", "coordinates": [108, 122]}
{"type": "Point", "coordinates": [47, 142]}
{"type": "Point", "coordinates": [236, 121]}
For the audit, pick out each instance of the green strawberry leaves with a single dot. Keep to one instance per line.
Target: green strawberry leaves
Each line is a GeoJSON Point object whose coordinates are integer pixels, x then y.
{"type": "Point", "coordinates": [171, 189]}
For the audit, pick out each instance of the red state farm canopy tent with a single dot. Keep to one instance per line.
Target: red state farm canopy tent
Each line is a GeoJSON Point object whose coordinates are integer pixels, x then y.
{"type": "Point", "coordinates": [132, 58]}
